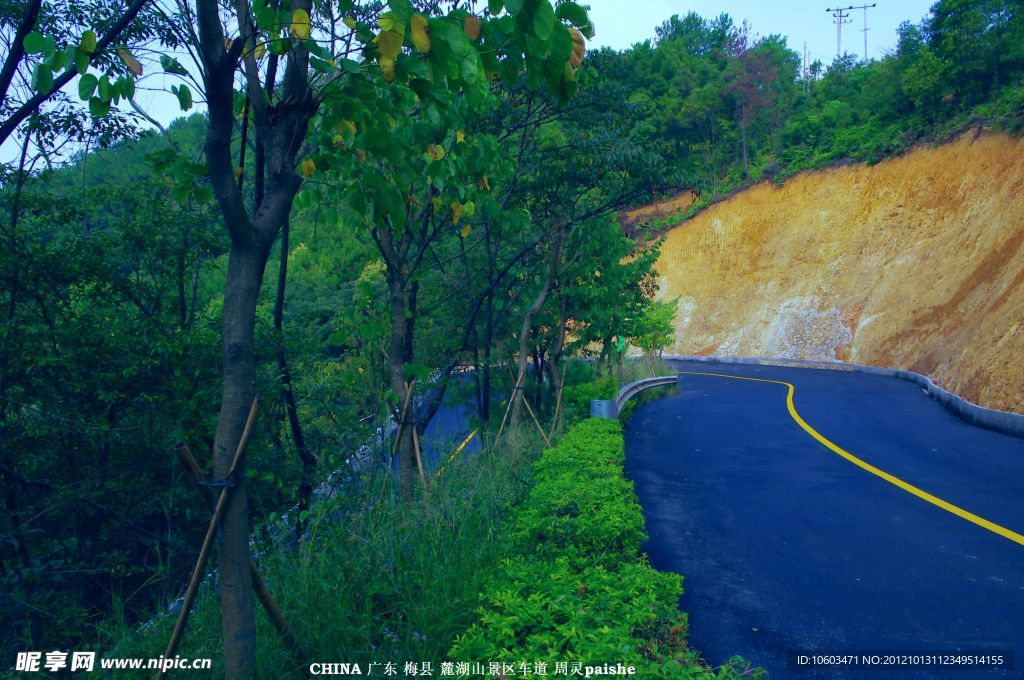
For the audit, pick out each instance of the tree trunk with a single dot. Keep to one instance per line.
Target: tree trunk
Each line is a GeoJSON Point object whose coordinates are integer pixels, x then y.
{"type": "Point", "coordinates": [485, 413]}
{"type": "Point", "coordinates": [743, 128]}
{"type": "Point", "coordinates": [245, 273]}
{"type": "Point", "coordinates": [397, 359]}
{"type": "Point", "coordinates": [287, 392]}
{"type": "Point", "coordinates": [527, 326]}
{"type": "Point", "coordinates": [554, 363]}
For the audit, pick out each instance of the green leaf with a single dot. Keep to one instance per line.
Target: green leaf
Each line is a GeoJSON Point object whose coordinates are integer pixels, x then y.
{"type": "Point", "coordinates": [81, 61]}
{"type": "Point", "coordinates": [321, 65]}
{"type": "Point", "coordinates": [42, 78]}
{"type": "Point", "coordinates": [184, 96]}
{"type": "Point", "coordinates": [401, 8]}
{"type": "Point", "coordinates": [172, 65]}
{"type": "Point", "coordinates": [49, 46]}
{"type": "Point", "coordinates": [87, 86]}
{"type": "Point", "coordinates": [34, 43]}
{"type": "Point", "coordinates": [573, 13]}
{"type": "Point", "coordinates": [543, 20]}
{"type": "Point", "coordinates": [104, 89]}
{"type": "Point", "coordinates": [88, 43]}
{"type": "Point", "coordinates": [561, 44]}
{"type": "Point", "coordinates": [127, 87]}
{"type": "Point", "coordinates": [98, 107]}
{"type": "Point", "coordinates": [515, 6]}
{"type": "Point", "coordinates": [204, 194]}
{"type": "Point", "coordinates": [349, 65]}
{"type": "Point", "coordinates": [494, 6]}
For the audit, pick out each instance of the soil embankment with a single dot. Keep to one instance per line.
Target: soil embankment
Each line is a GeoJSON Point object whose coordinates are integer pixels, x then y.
{"type": "Point", "coordinates": [914, 263]}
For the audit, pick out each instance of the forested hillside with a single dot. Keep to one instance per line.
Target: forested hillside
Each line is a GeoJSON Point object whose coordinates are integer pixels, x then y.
{"type": "Point", "coordinates": [384, 206]}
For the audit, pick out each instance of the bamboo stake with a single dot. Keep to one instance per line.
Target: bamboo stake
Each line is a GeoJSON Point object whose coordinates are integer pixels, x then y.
{"type": "Point", "coordinates": [204, 553]}
{"type": "Point", "coordinates": [398, 434]}
{"type": "Point", "coordinates": [419, 462]}
{"type": "Point", "coordinates": [188, 461]}
{"type": "Point", "coordinates": [536, 421]}
{"type": "Point", "coordinates": [558, 403]}
{"type": "Point", "coordinates": [515, 393]}
{"type": "Point", "coordinates": [401, 418]}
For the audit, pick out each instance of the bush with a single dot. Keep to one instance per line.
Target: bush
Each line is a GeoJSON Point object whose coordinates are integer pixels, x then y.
{"type": "Point", "coordinates": [574, 586]}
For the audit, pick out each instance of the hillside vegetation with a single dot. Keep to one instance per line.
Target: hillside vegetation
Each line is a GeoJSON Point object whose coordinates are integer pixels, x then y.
{"type": "Point", "coordinates": [387, 207]}
{"type": "Point", "coordinates": [915, 263]}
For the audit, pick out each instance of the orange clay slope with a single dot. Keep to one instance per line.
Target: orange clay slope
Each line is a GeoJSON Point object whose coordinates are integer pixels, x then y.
{"type": "Point", "coordinates": [914, 263]}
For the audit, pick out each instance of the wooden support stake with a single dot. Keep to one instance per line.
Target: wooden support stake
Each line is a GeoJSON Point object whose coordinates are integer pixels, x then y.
{"type": "Point", "coordinates": [204, 553]}
{"type": "Point", "coordinates": [515, 393]}
{"type": "Point", "coordinates": [536, 421]}
{"type": "Point", "coordinates": [558, 403]}
{"type": "Point", "coordinates": [419, 462]}
{"type": "Point", "coordinates": [194, 473]}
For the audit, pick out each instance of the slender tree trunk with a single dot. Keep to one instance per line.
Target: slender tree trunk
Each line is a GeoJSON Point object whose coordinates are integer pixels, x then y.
{"type": "Point", "coordinates": [554, 363]}
{"type": "Point", "coordinates": [397, 359]}
{"type": "Point", "coordinates": [287, 391]}
{"type": "Point", "coordinates": [526, 328]}
{"type": "Point", "coordinates": [743, 128]}
{"type": "Point", "coordinates": [485, 413]}
{"type": "Point", "coordinates": [245, 273]}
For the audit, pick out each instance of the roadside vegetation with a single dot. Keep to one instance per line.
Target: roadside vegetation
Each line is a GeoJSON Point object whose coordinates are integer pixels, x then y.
{"type": "Point", "coordinates": [385, 207]}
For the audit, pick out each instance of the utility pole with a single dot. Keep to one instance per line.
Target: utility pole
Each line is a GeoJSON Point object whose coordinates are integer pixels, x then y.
{"type": "Point", "coordinates": [840, 14]}
{"type": "Point", "coordinates": [839, 18]}
{"type": "Point", "coordinates": [806, 74]}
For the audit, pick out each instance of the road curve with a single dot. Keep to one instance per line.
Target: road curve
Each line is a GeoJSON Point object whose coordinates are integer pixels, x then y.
{"type": "Point", "coordinates": [910, 542]}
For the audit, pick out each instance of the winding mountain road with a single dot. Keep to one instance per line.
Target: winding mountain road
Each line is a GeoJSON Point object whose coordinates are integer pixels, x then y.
{"type": "Point", "coordinates": [832, 512]}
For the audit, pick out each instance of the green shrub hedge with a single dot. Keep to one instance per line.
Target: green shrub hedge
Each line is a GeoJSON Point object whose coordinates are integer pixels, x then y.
{"type": "Point", "coordinates": [573, 586]}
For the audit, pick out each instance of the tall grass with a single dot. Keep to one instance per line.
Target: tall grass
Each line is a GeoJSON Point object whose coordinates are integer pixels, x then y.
{"type": "Point", "coordinates": [378, 578]}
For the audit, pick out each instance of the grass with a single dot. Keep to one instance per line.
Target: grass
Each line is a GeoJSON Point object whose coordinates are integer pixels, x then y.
{"type": "Point", "coordinates": [378, 578]}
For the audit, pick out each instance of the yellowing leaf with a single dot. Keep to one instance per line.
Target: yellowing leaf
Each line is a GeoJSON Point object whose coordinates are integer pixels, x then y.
{"type": "Point", "coordinates": [456, 213]}
{"type": "Point", "coordinates": [350, 22]}
{"type": "Point", "coordinates": [307, 167]}
{"type": "Point", "coordinates": [470, 208]}
{"type": "Point", "coordinates": [578, 48]}
{"type": "Point", "coordinates": [460, 136]}
{"type": "Point", "coordinates": [389, 22]}
{"type": "Point", "coordinates": [260, 51]}
{"type": "Point", "coordinates": [390, 44]}
{"type": "Point", "coordinates": [88, 44]}
{"type": "Point", "coordinates": [227, 44]}
{"type": "Point", "coordinates": [436, 152]}
{"type": "Point", "coordinates": [387, 68]}
{"type": "Point", "coordinates": [300, 24]}
{"type": "Point", "coordinates": [239, 171]}
{"type": "Point", "coordinates": [436, 202]}
{"type": "Point", "coordinates": [345, 124]}
{"type": "Point", "coordinates": [131, 62]}
{"type": "Point", "coordinates": [472, 27]}
{"type": "Point", "coordinates": [464, 232]}
{"type": "Point", "coordinates": [485, 185]}
{"type": "Point", "coordinates": [420, 33]}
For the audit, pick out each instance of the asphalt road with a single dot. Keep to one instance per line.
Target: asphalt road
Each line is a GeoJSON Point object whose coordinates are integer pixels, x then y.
{"type": "Point", "coordinates": [788, 547]}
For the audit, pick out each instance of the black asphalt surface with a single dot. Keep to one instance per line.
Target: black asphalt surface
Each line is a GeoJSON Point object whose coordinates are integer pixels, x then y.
{"type": "Point", "coordinates": [787, 548]}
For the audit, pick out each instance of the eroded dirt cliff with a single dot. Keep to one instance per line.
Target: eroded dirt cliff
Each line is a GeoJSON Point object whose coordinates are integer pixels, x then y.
{"type": "Point", "coordinates": [915, 263]}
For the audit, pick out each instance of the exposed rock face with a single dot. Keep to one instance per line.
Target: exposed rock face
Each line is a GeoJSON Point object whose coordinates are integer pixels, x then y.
{"type": "Point", "coordinates": [914, 263]}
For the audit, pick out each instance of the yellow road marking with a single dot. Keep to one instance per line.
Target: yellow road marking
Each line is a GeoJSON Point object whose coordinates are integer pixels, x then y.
{"type": "Point", "coordinates": [892, 479]}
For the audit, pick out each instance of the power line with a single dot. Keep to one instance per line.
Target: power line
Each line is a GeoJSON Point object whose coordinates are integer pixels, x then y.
{"type": "Point", "coordinates": [839, 18]}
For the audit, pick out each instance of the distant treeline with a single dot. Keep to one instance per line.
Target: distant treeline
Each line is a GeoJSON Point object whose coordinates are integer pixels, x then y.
{"type": "Point", "coordinates": [728, 107]}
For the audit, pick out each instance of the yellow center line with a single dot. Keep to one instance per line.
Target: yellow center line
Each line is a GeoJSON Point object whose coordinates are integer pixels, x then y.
{"type": "Point", "coordinates": [892, 479]}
